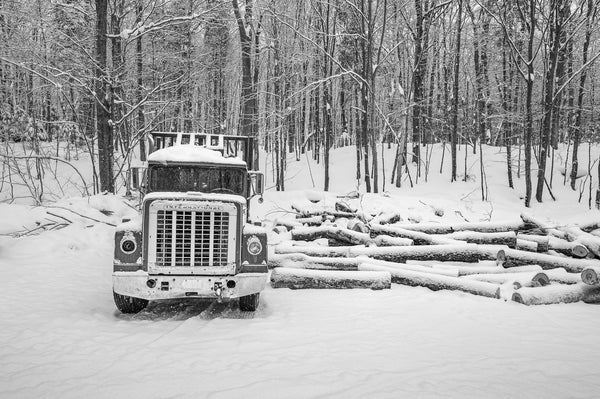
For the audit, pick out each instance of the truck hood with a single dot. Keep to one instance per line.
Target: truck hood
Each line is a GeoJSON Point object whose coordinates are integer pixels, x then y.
{"type": "Point", "coordinates": [194, 195]}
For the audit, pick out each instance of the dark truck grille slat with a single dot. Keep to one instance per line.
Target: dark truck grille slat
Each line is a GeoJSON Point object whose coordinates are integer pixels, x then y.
{"type": "Point", "coordinates": [191, 238]}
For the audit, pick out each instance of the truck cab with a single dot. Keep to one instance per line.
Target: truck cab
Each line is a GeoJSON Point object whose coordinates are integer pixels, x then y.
{"type": "Point", "coordinates": [192, 238]}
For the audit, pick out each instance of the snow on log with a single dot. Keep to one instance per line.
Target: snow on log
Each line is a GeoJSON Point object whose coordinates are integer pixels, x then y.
{"type": "Point", "coordinates": [386, 218]}
{"type": "Point", "coordinates": [302, 279]}
{"type": "Point", "coordinates": [301, 261]}
{"type": "Point", "coordinates": [574, 248]}
{"type": "Point", "coordinates": [508, 238]}
{"type": "Point", "coordinates": [514, 257]}
{"type": "Point", "coordinates": [389, 241]}
{"type": "Point", "coordinates": [418, 237]}
{"type": "Point", "coordinates": [543, 242]}
{"type": "Point", "coordinates": [436, 282]}
{"type": "Point", "coordinates": [556, 294]}
{"type": "Point", "coordinates": [461, 252]}
{"type": "Point", "coordinates": [471, 270]}
{"type": "Point", "coordinates": [591, 275]}
{"type": "Point", "coordinates": [334, 233]}
{"type": "Point", "coordinates": [525, 245]}
{"type": "Point", "coordinates": [590, 241]}
{"type": "Point", "coordinates": [562, 276]}
{"type": "Point", "coordinates": [588, 227]}
{"type": "Point", "coordinates": [414, 267]}
{"type": "Point", "coordinates": [314, 220]}
{"type": "Point", "coordinates": [531, 279]}
{"type": "Point", "coordinates": [482, 227]}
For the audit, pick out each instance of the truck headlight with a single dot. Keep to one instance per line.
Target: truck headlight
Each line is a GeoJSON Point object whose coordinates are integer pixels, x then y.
{"type": "Point", "coordinates": [254, 246]}
{"type": "Point", "coordinates": [128, 244]}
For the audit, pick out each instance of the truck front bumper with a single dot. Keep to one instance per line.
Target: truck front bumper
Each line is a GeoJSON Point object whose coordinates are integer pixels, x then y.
{"type": "Point", "coordinates": [142, 285]}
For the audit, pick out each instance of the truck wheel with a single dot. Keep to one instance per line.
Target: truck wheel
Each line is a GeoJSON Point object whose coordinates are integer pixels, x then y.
{"type": "Point", "coordinates": [129, 304]}
{"type": "Point", "coordinates": [249, 303]}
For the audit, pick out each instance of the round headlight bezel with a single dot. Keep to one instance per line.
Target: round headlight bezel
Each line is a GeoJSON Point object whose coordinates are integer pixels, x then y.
{"type": "Point", "coordinates": [128, 244]}
{"type": "Point", "coordinates": [254, 246]}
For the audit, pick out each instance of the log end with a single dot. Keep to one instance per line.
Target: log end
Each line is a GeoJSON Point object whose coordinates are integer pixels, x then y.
{"type": "Point", "coordinates": [500, 257]}
{"type": "Point", "coordinates": [579, 251]}
{"type": "Point", "coordinates": [540, 280]}
{"type": "Point", "coordinates": [589, 276]}
{"type": "Point", "coordinates": [516, 297]}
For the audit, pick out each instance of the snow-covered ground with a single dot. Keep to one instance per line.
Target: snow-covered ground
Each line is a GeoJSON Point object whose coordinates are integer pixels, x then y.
{"type": "Point", "coordinates": [61, 336]}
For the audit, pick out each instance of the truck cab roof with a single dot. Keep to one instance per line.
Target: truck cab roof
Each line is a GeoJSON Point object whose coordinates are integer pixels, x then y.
{"type": "Point", "coordinates": [189, 153]}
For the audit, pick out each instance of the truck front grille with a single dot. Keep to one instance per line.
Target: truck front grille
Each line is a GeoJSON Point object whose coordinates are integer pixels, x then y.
{"type": "Point", "coordinates": [191, 238]}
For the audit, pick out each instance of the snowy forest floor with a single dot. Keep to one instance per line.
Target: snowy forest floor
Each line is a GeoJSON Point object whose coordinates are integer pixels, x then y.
{"type": "Point", "coordinates": [61, 335]}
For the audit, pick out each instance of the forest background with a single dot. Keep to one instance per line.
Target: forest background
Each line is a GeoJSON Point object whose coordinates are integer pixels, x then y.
{"type": "Point", "coordinates": [304, 77]}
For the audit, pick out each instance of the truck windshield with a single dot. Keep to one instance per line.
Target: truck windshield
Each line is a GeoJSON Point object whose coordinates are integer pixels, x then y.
{"type": "Point", "coordinates": [193, 178]}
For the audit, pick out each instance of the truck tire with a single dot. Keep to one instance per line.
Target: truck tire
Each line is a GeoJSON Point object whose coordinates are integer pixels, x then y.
{"type": "Point", "coordinates": [249, 303]}
{"type": "Point", "coordinates": [129, 304]}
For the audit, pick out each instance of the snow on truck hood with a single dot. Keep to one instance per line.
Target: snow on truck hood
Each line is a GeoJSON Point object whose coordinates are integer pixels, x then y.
{"type": "Point", "coordinates": [194, 195]}
{"type": "Point", "coordinates": [192, 153]}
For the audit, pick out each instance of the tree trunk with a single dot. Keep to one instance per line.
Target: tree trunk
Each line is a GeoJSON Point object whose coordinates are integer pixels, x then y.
{"type": "Point", "coordinates": [103, 102]}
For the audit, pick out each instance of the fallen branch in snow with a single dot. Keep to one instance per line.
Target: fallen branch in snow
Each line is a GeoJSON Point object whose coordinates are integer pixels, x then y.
{"type": "Point", "coordinates": [303, 278]}
{"type": "Point", "coordinates": [557, 294]}
{"type": "Point", "coordinates": [435, 282]}
{"type": "Point", "coordinates": [83, 216]}
{"type": "Point", "coordinates": [41, 228]}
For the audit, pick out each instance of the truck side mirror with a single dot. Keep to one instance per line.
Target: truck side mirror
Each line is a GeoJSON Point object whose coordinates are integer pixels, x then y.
{"type": "Point", "coordinates": [257, 183]}
{"type": "Point", "coordinates": [137, 177]}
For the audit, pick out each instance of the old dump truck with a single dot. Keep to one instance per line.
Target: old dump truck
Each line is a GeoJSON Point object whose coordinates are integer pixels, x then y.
{"type": "Point", "coordinates": [193, 238]}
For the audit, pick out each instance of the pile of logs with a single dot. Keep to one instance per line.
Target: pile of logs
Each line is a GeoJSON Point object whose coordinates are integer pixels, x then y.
{"type": "Point", "coordinates": [525, 261]}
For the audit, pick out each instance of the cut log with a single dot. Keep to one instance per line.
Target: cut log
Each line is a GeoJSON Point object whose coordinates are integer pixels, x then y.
{"type": "Point", "coordinates": [531, 279]}
{"type": "Point", "coordinates": [570, 248]}
{"type": "Point", "coordinates": [314, 220]}
{"type": "Point", "coordinates": [588, 227]}
{"type": "Point", "coordinates": [562, 276]}
{"type": "Point", "coordinates": [514, 257]}
{"type": "Point", "coordinates": [288, 224]}
{"type": "Point", "coordinates": [544, 228]}
{"type": "Point", "coordinates": [556, 294]}
{"type": "Point", "coordinates": [334, 233]}
{"type": "Point", "coordinates": [417, 268]}
{"type": "Point", "coordinates": [471, 270]}
{"type": "Point", "coordinates": [389, 241]}
{"type": "Point", "coordinates": [508, 238]}
{"type": "Point", "coordinates": [436, 282]}
{"type": "Point", "coordinates": [358, 226]}
{"type": "Point", "coordinates": [282, 277]}
{"type": "Point", "coordinates": [344, 207]}
{"type": "Point", "coordinates": [462, 252]}
{"type": "Point", "coordinates": [525, 245]}
{"type": "Point", "coordinates": [418, 237]}
{"type": "Point", "coordinates": [301, 261]}
{"type": "Point", "coordinates": [386, 218]}
{"type": "Point", "coordinates": [280, 229]}
{"type": "Point", "coordinates": [591, 275]}
{"type": "Point", "coordinates": [543, 242]}
{"type": "Point", "coordinates": [590, 241]}
{"type": "Point", "coordinates": [482, 227]}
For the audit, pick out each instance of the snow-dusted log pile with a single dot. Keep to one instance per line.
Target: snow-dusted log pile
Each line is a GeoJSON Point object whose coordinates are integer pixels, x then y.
{"type": "Point", "coordinates": [525, 260]}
